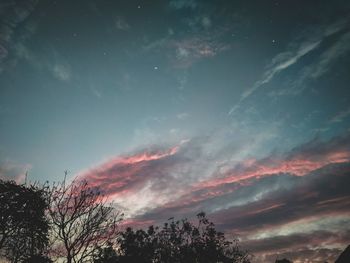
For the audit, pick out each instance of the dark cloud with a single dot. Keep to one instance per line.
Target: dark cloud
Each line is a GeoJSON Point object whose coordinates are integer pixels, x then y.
{"type": "Point", "coordinates": [303, 254]}
{"type": "Point", "coordinates": [294, 241]}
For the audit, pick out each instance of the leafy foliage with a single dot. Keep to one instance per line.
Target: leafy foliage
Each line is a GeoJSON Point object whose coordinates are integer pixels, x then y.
{"type": "Point", "coordinates": [23, 225]}
{"type": "Point", "coordinates": [175, 242]}
{"type": "Point", "coordinates": [37, 259]}
{"type": "Point", "coordinates": [83, 228]}
{"type": "Point", "coordinates": [106, 255]}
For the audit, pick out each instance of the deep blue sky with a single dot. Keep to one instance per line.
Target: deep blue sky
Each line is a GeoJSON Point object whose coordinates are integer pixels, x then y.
{"type": "Point", "coordinates": [232, 85]}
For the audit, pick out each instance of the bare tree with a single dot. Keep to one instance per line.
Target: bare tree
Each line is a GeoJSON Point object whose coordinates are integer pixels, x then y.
{"type": "Point", "coordinates": [81, 221]}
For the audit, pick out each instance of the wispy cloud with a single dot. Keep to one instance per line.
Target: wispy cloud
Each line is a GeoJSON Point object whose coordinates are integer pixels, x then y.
{"type": "Point", "coordinates": [121, 24]}
{"type": "Point", "coordinates": [254, 198]}
{"type": "Point", "coordinates": [340, 116]}
{"type": "Point", "coordinates": [182, 116]}
{"type": "Point", "coordinates": [198, 37]}
{"type": "Point", "coordinates": [283, 246]}
{"type": "Point", "coordinates": [327, 58]}
{"type": "Point", "coordinates": [10, 170]}
{"type": "Point", "coordinates": [298, 50]}
{"type": "Point", "coordinates": [137, 181]}
{"type": "Point", "coordinates": [188, 51]}
{"type": "Point", "coordinates": [180, 4]}
{"type": "Point", "coordinates": [13, 15]}
{"type": "Point", "coordinates": [184, 52]}
{"type": "Point", "coordinates": [61, 72]}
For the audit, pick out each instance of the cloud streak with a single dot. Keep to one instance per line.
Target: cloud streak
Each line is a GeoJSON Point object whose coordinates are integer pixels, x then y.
{"type": "Point", "coordinates": [261, 200]}
{"type": "Point", "coordinates": [297, 51]}
{"type": "Point", "coordinates": [13, 15]}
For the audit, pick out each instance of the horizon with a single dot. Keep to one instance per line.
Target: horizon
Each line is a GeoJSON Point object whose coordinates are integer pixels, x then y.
{"type": "Point", "coordinates": [172, 107]}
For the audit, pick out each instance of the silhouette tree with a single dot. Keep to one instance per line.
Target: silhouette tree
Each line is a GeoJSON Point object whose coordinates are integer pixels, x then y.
{"type": "Point", "coordinates": [37, 259]}
{"type": "Point", "coordinates": [81, 221]}
{"type": "Point", "coordinates": [177, 241]}
{"type": "Point", "coordinates": [106, 255]}
{"type": "Point", "coordinates": [284, 260]}
{"type": "Point", "coordinates": [23, 225]}
{"type": "Point", "coordinates": [344, 256]}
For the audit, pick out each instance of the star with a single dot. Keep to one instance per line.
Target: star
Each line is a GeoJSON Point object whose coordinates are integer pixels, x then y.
{"type": "Point", "coordinates": [155, 68]}
{"type": "Point", "coordinates": [273, 41]}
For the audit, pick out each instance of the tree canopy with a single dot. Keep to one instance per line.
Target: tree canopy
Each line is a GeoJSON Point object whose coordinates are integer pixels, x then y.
{"type": "Point", "coordinates": [74, 224]}
{"type": "Point", "coordinates": [175, 242]}
{"type": "Point", "coordinates": [23, 224]}
{"type": "Point", "coordinates": [81, 221]}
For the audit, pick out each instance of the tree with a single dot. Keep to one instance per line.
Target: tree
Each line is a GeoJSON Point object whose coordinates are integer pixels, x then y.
{"type": "Point", "coordinates": [81, 221]}
{"type": "Point", "coordinates": [37, 259]}
{"type": "Point", "coordinates": [106, 255]}
{"type": "Point", "coordinates": [178, 241]}
{"type": "Point", "coordinates": [23, 225]}
{"type": "Point", "coordinates": [344, 256]}
{"type": "Point", "coordinates": [284, 260]}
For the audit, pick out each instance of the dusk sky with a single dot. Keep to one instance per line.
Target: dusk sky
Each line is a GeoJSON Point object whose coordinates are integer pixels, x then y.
{"type": "Point", "coordinates": [240, 109]}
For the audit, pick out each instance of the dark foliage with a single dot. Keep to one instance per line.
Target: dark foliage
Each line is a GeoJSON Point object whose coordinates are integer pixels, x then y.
{"type": "Point", "coordinates": [23, 225]}
{"type": "Point", "coordinates": [176, 241]}
{"type": "Point", "coordinates": [37, 259]}
{"type": "Point", "coordinates": [106, 255]}
{"type": "Point", "coordinates": [82, 228]}
{"type": "Point", "coordinates": [344, 256]}
{"type": "Point", "coordinates": [283, 261]}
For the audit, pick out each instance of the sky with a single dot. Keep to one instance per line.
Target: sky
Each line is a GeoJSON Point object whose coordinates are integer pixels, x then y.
{"type": "Point", "coordinates": [240, 109]}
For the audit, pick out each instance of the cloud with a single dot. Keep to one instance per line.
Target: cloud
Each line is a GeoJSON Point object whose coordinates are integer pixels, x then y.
{"type": "Point", "coordinates": [17, 26]}
{"type": "Point", "coordinates": [61, 72]}
{"type": "Point", "coordinates": [296, 51]}
{"type": "Point", "coordinates": [340, 116]}
{"type": "Point", "coordinates": [183, 4]}
{"type": "Point", "coordinates": [204, 40]}
{"type": "Point", "coordinates": [245, 197]}
{"type": "Point", "coordinates": [182, 116]}
{"type": "Point", "coordinates": [10, 170]}
{"type": "Point", "coordinates": [138, 181]}
{"type": "Point", "coordinates": [262, 200]}
{"type": "Point", "coordinates": [299, 247]}
{"type": "Point", "coordinates": [13, 15]}
{"type": "Point", "coordinates": [121, 24]}
{"type": "Point", "coordinates": [305, 197]}
{"type": "Point", "coordinates": [297, 241]}
{"type": "Point", "coordinates": [320, 255]}
{"type": "Point", "coordinates": [190, 50]}
{"type": "Point", "coordinates": [327, 58]}
{"type": "Point", "coordinates": [184, 52]}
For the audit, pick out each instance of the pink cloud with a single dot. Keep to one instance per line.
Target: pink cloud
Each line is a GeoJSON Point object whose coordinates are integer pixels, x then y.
{"type": "Point", "coordinates": [298, 165]}
{"type": "Point", "coordinates": [115, 175]}
{"type": "Point", "coordinates": [253, 195]}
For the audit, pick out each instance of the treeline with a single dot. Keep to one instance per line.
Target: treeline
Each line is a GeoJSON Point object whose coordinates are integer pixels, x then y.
{"type": "Point", "coordinates": [74, 223]}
